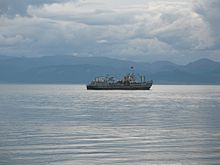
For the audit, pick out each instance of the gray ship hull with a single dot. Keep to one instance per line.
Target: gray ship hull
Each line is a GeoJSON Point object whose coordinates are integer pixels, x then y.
{"type": "Point", "coordinates": [145, 86]}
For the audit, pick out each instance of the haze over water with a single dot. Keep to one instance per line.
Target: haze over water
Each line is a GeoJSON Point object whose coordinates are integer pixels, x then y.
{"type": "Point", "coordinates": [66, 124]}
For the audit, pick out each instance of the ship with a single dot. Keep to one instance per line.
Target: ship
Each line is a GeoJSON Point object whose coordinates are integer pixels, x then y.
{"type": "Point", "coordinates": [127, 82]}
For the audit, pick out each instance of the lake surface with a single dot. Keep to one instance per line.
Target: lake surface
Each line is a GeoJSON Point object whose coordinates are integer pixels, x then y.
{"type": "Point", "coordinates": [66, 125]}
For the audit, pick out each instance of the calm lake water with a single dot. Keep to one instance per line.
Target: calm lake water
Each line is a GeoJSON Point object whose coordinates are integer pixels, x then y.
{"type": "Point", "coordinates": [68, 125]}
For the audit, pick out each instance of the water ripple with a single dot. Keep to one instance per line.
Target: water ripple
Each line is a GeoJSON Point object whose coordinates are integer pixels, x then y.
{"type": "Point", "coordinates": [65, 124]}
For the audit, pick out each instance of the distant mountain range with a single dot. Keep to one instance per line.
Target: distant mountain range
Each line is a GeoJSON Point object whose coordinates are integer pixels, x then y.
{"type": "Point", "coordinates": [72, 69]}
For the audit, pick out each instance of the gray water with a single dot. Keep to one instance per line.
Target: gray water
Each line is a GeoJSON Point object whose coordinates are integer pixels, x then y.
{"type": "Point", "coordinates": [68, 125]}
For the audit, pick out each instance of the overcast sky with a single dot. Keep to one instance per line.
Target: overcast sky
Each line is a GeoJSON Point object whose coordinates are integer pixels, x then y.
{"type": "Point", "coordinates": [141, 30]}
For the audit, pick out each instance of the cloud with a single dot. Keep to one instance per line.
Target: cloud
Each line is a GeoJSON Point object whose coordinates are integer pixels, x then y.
{"type": "Point", "coordinates": [18, 7]}
{"type": "Point", "coordinates": [102, 41]}
{"type": "Point", "coordinates": [82, 12]}
{"type": "Point", "coordinates": [209, 11]}
{"type": "Point", "coordinates": [140, 30]}
{"type": "Point", "coordinates": [12, 40]}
